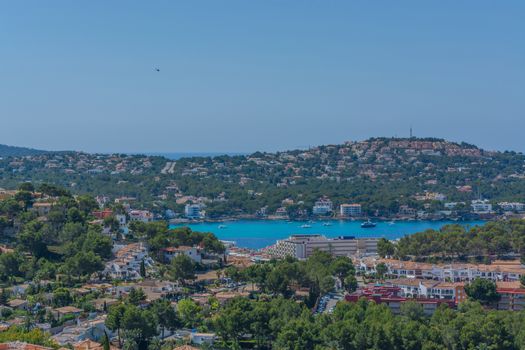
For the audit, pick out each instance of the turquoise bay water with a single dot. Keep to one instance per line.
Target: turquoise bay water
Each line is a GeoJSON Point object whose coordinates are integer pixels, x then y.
{"type": "Point", "coordinates": [258, 234]}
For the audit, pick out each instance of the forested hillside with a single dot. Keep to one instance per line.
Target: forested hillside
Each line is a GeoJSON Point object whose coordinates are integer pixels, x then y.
{"type": "Point", "coordinates": [385, 176]}
{"type": "Point", "coordinates": [12, 151]}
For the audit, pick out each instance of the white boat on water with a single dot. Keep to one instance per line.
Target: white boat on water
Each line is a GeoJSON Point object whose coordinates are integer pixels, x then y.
{"type": "Point", "coordinates": [368, 224]}
{"type": "Point", "coordinates": [327, 224]}
{"type": "Point", "coordinates": [306, 226]}
{"type": "Point", "coordinates": [391, 223]}
{"type": "Point", "coordinates": [222, 226]}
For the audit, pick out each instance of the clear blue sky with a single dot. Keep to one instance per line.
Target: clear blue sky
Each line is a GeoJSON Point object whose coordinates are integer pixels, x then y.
{"type": "Point", "coordinates": [252, 75]}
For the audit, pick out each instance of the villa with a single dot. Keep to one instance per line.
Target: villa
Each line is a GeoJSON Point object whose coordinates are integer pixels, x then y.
{"type": "Point", "coordinates": [192, 252]}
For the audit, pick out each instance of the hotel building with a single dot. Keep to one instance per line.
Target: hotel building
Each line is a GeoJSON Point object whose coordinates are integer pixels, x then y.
{"type": "Point", "coordinates": [303, 245]}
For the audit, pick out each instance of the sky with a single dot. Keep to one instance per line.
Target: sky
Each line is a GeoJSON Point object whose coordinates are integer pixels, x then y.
{"type": "Point", "coordinates": [248, 75]}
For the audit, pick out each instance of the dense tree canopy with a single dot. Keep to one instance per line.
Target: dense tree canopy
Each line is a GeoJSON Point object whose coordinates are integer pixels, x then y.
{"type": "Point", "coordinates": [482, 290]}
{"type": "Point", "coordinates": [455, 242]}
{"type": "Point", "coordinates": [61, 242]}
{"type": "Point", "coordinates": [281, 323]}
{"type": "Point", "coordinates": [382, 174]}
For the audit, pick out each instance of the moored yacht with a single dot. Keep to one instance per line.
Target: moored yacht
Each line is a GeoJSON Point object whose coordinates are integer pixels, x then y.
{"type": "Point", "coordinates": [368, 224]}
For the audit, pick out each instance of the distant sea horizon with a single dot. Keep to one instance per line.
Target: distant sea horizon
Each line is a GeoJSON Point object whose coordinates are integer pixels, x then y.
{"type": "Point", "coordinates": [179, 155]}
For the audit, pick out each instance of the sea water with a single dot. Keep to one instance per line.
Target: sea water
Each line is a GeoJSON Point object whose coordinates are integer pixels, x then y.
{"type": "Point", "coordinates": [258, 234]}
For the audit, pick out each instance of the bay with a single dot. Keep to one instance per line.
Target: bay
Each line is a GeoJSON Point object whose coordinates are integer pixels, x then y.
{"type": "Point", "coordinates": [258, 234]}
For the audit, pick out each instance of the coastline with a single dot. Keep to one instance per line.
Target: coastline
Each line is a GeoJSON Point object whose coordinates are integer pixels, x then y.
{"type": "Point", "coordinates": [328, 219]}
{"type": "Point", "coordinates": [256, 234]}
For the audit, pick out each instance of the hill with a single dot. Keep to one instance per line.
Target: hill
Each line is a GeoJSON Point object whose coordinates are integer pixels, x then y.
{"type": "Point", "coordinates": [387, 176]}
{"type": "Point", "coordinates": [13, 151]}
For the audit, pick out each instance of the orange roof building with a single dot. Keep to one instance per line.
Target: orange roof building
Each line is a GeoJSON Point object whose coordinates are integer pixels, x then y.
{"type": "Point", "coordinates": [22, 346]}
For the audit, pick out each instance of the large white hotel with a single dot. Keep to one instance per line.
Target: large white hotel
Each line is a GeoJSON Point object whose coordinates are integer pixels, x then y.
{"type": "Point", "coordinates": [301, 246]}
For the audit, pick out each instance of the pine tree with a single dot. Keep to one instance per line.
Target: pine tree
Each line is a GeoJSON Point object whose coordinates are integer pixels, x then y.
{"type": "Point", "coordinates": [3, 297]}
{"type": "Point", "coordinates": [105, 341]}
{"type": "Point", "coordinates": [142, 269]}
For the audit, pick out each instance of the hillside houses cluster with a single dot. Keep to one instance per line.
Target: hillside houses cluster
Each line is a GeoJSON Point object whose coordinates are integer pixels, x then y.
{"type": "Point", "coordinates": [127, 261]}
{"type": "Point", "coordinates": [78, 162]}
{"type": "Point", "coordinates": [431, 294]}
{"type": "Point", "coordinates": [376, 159]}
{"type": "Point", "coordinates": [43, 208]}
{"type": "Point", "coordinates": [84, 328]}
{"type": "Point", "coordinates": [443, 172]}
{"type": "Point", "coordinates": [434, 284]}
{"type": "Point", "coordinates": [76, 327]}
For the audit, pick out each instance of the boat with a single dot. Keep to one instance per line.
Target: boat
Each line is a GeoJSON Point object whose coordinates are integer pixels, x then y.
{"type": "Point", "coordinates": [306, 226]}
{"type": "Point", "coordinates": [391, 223]}
{"type": "Point", "coordinates": [368, 224]}
{"type": "Point", "coordinates": [222, 226]}
{"type": "Point", "coordinates": [327, 224]}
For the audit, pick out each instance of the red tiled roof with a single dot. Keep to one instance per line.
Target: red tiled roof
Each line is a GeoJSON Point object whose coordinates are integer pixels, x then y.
{"type": "Point", "coordinates": [22, 346]}
{"type": "Point", "coordinates": [182, 248]}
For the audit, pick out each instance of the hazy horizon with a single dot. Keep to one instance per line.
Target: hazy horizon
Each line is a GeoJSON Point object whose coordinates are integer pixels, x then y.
{"type": "Point", "coordinates": [189, 153]}
{"type": "Point", "coordinates": [239, 76]}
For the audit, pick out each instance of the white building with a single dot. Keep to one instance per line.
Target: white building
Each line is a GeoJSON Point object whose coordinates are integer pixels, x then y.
{"type": "Point", "coordinates": [423, 288]}
{"type": "Point", "coordinates": [140, 215]}
{"type": "Point", "coordinates": [192, 252]}
{"type": "Point", "coordinates": [122, 222]}
{"type": "Point", "coordinates": [126, 264]}
{"type": "Point", "coordinates": [481, 206]}
{"type": "Point", "coordinates": [497, 271]}
{"type": "Point", "coordinates": [102, 201]}
{"type": "Point", "coordinates": [322, 207]}
{"type": "Point", "coordinates": [193, 211]}
{"type": "Point", "coordinates": [93, 329]}
{"type": "Point", "coordinates": [350, 210]}
{"type": "Point", "coordinates": [452, 205]}
{"type": "Point", "coordinates": [202, 338]}
{"type": "Point", "coordinates": [514, 206]}
{"type": "Point", "coordinates": [439, 197]}
{"type": "Point", "coordinates": [303, 245]}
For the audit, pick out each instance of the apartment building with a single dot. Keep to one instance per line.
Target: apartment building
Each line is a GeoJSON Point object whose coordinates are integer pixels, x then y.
{"type": "Point", "coordinates": [481, 206]}
{"type": "Point", "coordinates": [422, 288]}
{"type": "Point", "coordinates": [391, 296]}
{"type": "Point", "coordinates": [457, 272]}
{"type": "Point", "coordinates": [322, 206]}
{"type": "Point", "coordinates": [193, 211]}
{"type": "Point", "coordinates": [512, 296]}
{"type": "Point", "coordinates": [350, 210]}
{"type": "Point", "coordinates": [301, 246]}
{"type": "Point", "coordinates": [512, 206]}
